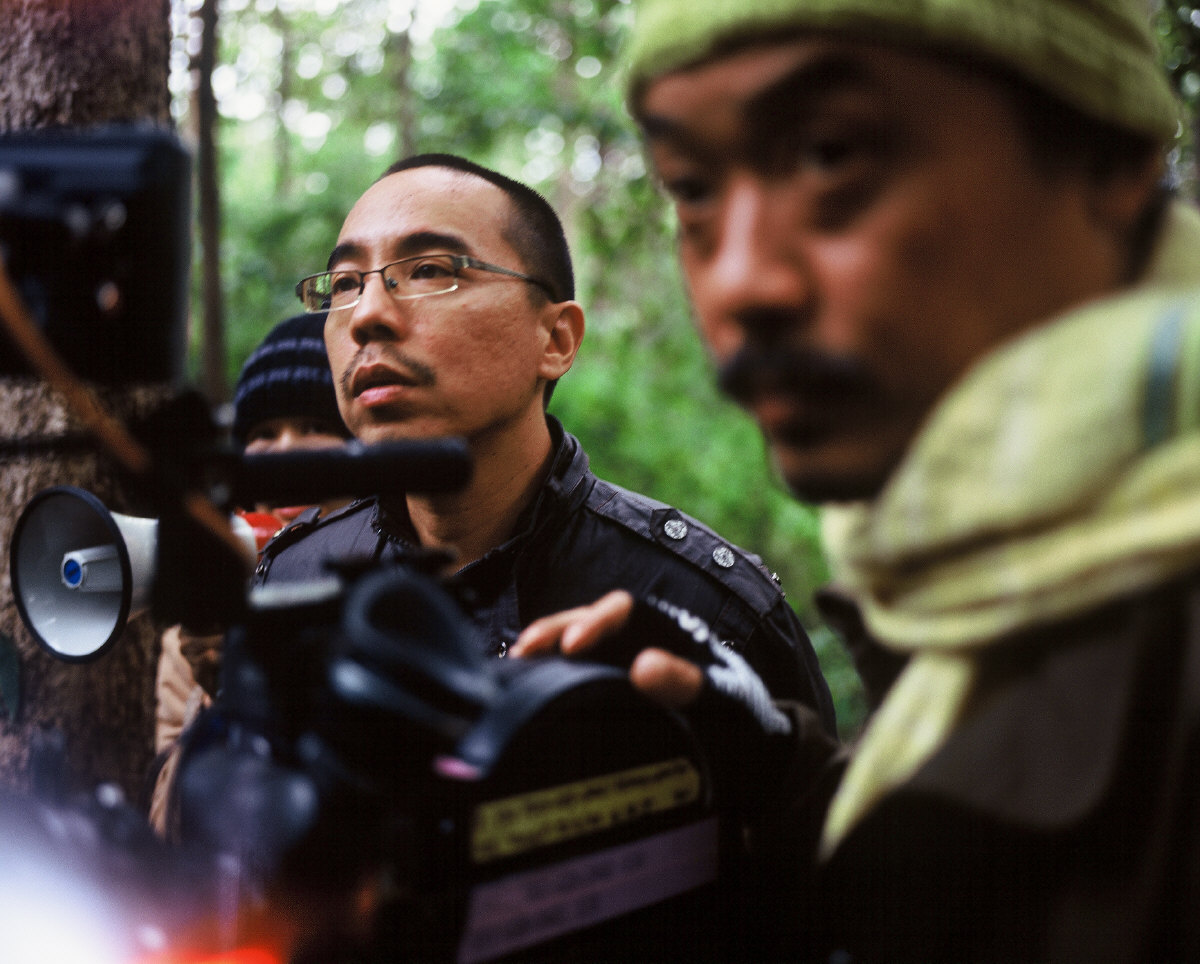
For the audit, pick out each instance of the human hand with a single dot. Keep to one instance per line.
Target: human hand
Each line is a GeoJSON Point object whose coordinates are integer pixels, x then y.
{"type": "Point", "coordinates": [669, 679]}
{"type": "Point", "coordinates": [203, 654]}
{"type": "Point", "coordinates": [676, 660]}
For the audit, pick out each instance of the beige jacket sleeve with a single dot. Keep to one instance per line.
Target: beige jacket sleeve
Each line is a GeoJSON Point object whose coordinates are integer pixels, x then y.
{"type": "Point", "coordinates": [179, 699]}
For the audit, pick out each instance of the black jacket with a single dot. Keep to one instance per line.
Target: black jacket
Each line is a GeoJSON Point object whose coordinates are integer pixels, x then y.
{"type": "Point", "coordinates": [1056, 824]}
{"type": "Point", "coordinates": [580, 538]}
{"type": "Point", "coordinates": [1059, 821]}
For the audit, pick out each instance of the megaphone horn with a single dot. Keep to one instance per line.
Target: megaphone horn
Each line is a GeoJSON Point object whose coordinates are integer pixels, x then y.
{"type": "Point", "coordinates": [80, 572]}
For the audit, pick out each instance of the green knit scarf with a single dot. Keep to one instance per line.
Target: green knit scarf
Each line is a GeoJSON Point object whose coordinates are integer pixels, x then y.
{"type": "Point", "coordinates": [1062, 472]}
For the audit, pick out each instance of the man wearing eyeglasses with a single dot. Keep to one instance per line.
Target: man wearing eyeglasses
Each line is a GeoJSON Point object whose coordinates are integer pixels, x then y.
{"type": "Point", "coordinates": [451, 312]}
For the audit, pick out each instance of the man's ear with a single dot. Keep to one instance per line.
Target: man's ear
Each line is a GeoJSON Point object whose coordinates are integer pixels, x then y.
{"type": "Point", "coordinates": [1125, 205]}
{"type": "Point", "coordinates": [1120, 198]}
{"type": "Point", "coordinates": [565, 327]}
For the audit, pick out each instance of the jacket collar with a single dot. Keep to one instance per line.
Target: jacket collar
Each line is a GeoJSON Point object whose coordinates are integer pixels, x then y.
{"type": "Point", "coordinates": [565, 488]}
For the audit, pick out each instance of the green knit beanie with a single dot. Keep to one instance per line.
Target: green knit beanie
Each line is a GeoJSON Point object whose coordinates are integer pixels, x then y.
{"type": "Point", "coordinates": [1097, 55]}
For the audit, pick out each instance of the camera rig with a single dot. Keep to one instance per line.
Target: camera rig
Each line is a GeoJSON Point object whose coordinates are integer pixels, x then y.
{"type": "Point", "coordinates": [362, 757]}
{"type": "Point", "coordinates": [497, 807]}
{"type": "Point", "coordinates": [94, 231]}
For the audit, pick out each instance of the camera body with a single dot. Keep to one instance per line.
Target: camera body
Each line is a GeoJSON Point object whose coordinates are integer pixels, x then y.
{"type": "Point", "coordinates": [368, 787]}
{"type": "Point", "coordinates": [94, 230]}
{"type": "Point", "coordinates": [515, 809]}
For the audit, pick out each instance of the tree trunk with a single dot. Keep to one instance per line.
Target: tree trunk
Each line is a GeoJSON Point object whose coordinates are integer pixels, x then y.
{"type": "Point", "coordinates": [80, 62]}
{"type": "Point", "coordinates": [215, 384]}
{"type": "Point", "coordinates": [76, 63]}
{"type": "Point", "coordinates": [407, 126]}
{"type": "Point", "coordinates": [285, 181]}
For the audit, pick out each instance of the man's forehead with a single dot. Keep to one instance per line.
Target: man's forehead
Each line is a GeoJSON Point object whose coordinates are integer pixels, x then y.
{"type": "Point", "coordinates": [741, 69]}
{"type": "Point", "coordinates": [420, 209]}
{"type": "Point", "coordinates": [757, 83]}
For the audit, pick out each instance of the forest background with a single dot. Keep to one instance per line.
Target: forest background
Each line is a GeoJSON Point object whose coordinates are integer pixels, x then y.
{"type": "Point", "coordinates": [314, 98]}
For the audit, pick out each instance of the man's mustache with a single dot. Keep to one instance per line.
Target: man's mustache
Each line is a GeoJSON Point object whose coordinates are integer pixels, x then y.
{"type": "Point", "coordinates": [815, 376]}
{"type": "Point", "coordinates": [414, 371]}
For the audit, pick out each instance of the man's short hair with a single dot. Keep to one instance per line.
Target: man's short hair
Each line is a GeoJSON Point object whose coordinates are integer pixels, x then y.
{"type": "Point", "coordinates": [535, 230]}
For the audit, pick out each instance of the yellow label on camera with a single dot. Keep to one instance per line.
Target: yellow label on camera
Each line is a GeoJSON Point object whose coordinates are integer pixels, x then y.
{"type": "Point", "coordinates": [527, 821]}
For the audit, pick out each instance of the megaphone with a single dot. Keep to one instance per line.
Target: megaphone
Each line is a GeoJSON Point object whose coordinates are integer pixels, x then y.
{"type": "Point", "coordinates": [80, 573]}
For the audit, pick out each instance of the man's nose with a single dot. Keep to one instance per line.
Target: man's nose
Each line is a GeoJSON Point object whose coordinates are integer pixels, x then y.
{"type": "Point", "coordinates": [756, 281]}
{"type": "Point", "coordinates": [377, 315]}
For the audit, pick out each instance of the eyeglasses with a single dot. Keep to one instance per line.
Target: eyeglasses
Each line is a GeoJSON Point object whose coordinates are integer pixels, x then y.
{"type": "Point", "coordinates": [419, 277]}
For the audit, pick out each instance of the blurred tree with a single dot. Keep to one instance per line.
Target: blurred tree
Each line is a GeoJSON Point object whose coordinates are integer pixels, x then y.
{"type": "Point", "coordinates": [208, 218]}
{"type": "Point", "coordinates": [76, 63]}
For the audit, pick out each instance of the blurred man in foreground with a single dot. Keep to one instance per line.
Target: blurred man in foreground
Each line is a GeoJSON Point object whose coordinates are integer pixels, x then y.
{"type": "Point", "coordinates": [929, 248]}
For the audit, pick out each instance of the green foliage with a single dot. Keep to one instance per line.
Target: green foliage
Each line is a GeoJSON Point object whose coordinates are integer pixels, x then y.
{"type": "Point", "coordinates": [531, 88]}
{"type": "Point", "coordinates": [319, 96]}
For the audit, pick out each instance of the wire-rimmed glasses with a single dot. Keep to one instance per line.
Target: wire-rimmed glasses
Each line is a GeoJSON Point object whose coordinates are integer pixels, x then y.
{"type": "Point", "coordinates": [418, 277]}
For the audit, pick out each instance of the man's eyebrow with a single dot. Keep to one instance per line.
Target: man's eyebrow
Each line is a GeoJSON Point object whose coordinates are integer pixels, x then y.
{"type": "Point", "coordinates": [656, 127]}
{"type": "Point", "coordinates": [411, 244]}
{"type": "Point", "coordinates": [342, 252]}
{"type": "Point", "coordinates": [794, 95]}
